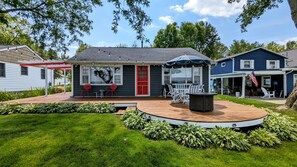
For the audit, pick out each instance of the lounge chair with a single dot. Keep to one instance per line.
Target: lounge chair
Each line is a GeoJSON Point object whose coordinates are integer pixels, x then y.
{"type": "Point", "coordinates": [267, 94]}
{"type": "Point", "coordinates": [192, 89]}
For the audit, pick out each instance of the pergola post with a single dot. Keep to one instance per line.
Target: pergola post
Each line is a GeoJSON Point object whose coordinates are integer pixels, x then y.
{"type": "Point", "coordinates": [46, 80]}
{"type": "Point", "coordinates": [64, 80]}
{"type": "Point", "coordinates": [243, 87]}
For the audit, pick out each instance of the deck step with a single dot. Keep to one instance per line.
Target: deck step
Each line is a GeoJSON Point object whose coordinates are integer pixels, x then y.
{"type": "Point", "coordinates": [131, 108]}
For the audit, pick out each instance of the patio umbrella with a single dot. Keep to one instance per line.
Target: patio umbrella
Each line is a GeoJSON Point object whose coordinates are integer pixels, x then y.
{"type": "Point", "coordinates": [187, 60]}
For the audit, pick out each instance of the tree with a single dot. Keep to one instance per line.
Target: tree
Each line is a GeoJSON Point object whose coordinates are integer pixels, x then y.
{"type": "Point", "coordinates": [168, 37]}
{"type": "Point", "coordinates": [58, 23]}
{"type": "Point", "coordinates": [201, 36]}
{"type": "Point", "coordinates": [254, 9]}
{"type": "Point", "coordinates": [239, 46]}
{"type": "Point", "coordinates": [290, 45]}
{"type": "Point", "coordinates": [81, 48]}
{"type": "Point", "coordinates": [275, 47]}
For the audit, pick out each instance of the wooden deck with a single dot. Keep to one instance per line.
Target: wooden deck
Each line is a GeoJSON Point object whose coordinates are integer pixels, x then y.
{"type": "Point", "coordinates": [225, 113]}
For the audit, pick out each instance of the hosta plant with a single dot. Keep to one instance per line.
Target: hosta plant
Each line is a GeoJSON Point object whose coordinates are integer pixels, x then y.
{"type": "Point", "coordinates": [264, 138]}
{"type": "Point", "coordinates": [135, 121]}
{"type": "Point", "coordinates": [157, 130]}
{"type": "Point", "coordinates": [128, 113]}
{"type": "Point", "coordinates": [106, 108]}
{"type": "Point", "coordinates": [192, 136]}
{"type": "Point", "coordinates": [229, 139]}
{"type": "Point", "coordinates": [10, 109]}
{"type": "Point", "coordinates": [96, 108]}
{"type": "Point", "coordinates": [282, 125]}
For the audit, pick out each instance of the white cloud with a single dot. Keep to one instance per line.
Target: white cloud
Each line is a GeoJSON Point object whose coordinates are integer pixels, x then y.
{"type": "Point", "coordinates": [177, 8]}
{"type": "Point", "coordinates": [73, 47]}
{"type": "Point", "coordinates": [166, 19]}
{"type": "Point", "coordinates": [216, 8]}
{"type": "Point", "coordinates": [283, 42]}
{"type": "Point", "coordinates": [205, 19]}
{"type": "Point", "coordinates": [152, 26]}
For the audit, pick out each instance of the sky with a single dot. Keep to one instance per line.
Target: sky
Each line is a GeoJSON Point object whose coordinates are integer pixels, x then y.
{"type": "Point", "coordinates": [275, 25]}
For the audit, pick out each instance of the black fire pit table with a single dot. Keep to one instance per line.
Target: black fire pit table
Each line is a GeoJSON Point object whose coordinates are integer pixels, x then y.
{"type": "Point", "coordinates": [202, 102]}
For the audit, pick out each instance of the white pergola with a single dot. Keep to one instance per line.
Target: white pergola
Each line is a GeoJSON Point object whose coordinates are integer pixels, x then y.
{"type": "Point", "coordinates": [49, 65]}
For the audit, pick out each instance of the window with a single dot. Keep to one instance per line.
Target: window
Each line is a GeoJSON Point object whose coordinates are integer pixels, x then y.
{"type": "Point", "coordinates": [182, 75]}
{"type": "Point", "coordinates": [246, 64]}
{"type": "Point", "coordinates": [42, 71]}
{"type": "Point", "coordinates": [223, 64]}
{"type": "Point", "coordinates": [266, 81]}
{"type": "Point", "coordinates": [197, 73]}
{"type": "Point", "coordinates": [101, 75]}
{"type": "Point", "coordinates": [272, 64]}
{"type": "Point", "coordinates": [2, 70]}
{"type": "Point", "coordinates": [24, 70]}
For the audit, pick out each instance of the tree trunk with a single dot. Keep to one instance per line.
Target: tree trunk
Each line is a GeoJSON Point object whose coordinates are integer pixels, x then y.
{"type": "Point", "coordinates": [291, 100]}
{"type": "Point", "coordinates": [293, 6]}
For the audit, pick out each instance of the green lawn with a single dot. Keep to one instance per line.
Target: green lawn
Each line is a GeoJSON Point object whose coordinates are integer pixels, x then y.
{"type": "Point", "coordinates": [103, 140]}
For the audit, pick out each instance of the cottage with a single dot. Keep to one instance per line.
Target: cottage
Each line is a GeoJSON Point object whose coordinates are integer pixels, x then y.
{"type": "Point", "coordinates": [231, 74]}
{"type": "Point", "coordinates": [14, 77]}
{"type": "Point", "coordinates": [135, 71]}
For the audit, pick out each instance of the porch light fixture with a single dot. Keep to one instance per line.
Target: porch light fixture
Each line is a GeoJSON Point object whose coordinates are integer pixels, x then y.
{"type": "Point", "coordinates": [16, 49]}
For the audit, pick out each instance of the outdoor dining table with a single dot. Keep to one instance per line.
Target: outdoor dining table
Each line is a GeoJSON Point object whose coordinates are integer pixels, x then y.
{"type": "Point", "coordinates": [202, 102]}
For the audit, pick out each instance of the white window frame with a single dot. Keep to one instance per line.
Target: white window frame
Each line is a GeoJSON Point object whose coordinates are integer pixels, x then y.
{"type": "Point", "coordinates": [262, 81]}
{"type": "Point", "coordinates": [164, 76]}
{"type": "Point", "coordinates": [242, 64]}
{"type": "Point", "coordinates": [27, 71]}
{"type": "Point", "coordinates": [170, 74]}
{"type": "Point", "coordinates": [277, 63]}
{"type": "Point", "coordinates": [223, 64]}
{"type": "Point", "coordinates": [89, 79]}
{"type": "Point", "coordinates": [294, 80]}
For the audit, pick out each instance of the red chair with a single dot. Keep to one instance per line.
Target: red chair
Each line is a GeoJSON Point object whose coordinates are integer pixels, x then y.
{"type": "Point", "coordinates": [86, 90]}
{"type": "Point", "coordinates": [111, 90]}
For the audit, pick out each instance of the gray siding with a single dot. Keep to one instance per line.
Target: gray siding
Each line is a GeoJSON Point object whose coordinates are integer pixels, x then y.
{"type": "Point", "coordinates": [156, 80]}
{"type": "Point", "coordinates": [205, 77]}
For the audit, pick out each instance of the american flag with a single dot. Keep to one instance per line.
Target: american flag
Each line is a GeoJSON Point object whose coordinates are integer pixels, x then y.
{"type": "Point", "coordinates": [253, 78]}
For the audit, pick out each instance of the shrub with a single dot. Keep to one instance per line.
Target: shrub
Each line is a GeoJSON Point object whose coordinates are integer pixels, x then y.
{"type": "Point", "coordinates": [128, 114]}
{"type": "Point", "coordinates": [55, 108]}
{"type": "Point", "coordinates": [282, 125]}
{"type": "Point", "coordinates": [135, 121]}
{"type": "Point", "coordinates": [106, 108]}
{"type": "Point", "coordinates": [157, 130]}
{"type": "Point", "coordinates": [28, 108]}
{"type": "Point", "coordinates": [10, 109]}
{"type": "Point", "coordinates": [192, 136]}
{"type": "Point", "coordinates": [96, 108]}
{"type": "Point", "coordinates": [263, 138]}
{"type": "Point", "coordinates": [229, 139]}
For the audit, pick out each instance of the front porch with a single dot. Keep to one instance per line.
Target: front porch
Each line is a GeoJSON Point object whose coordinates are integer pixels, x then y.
{"type": "Point", "coordinates": [240, 85]}
{"type": "Point", "coordinates": [225, 114]}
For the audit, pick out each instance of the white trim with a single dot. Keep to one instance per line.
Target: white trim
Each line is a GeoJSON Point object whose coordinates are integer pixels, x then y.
{"type": "Point", "coordinates": [72, 80]}
{"type": "Point", "coordinates": [233, 63]}
{"type": "Point", "coordinates": [294, 81]}
{"type": "Point", "coordinates": [285, 84]}
{"type": "Point", "coordinates": [262, 83]}
{"type": "Point", "coordinates": [149, 81]}
{"type": "Point", "coordinates": [106, 65]}
{"type": "Point", "coordinates": [208, 79]}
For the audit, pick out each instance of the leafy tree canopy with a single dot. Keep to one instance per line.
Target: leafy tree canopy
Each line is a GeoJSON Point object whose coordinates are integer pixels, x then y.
{"type": "Point", "coordinates": [254, 9]}
{"type": "Point", "coordinates": [58, 23]}
{"type": "Point", "coordinates": [239, 46]}
{"type": "Point", "coordinates": [201, 36]}
{"type": "Point", "coordinates": [81, 48]}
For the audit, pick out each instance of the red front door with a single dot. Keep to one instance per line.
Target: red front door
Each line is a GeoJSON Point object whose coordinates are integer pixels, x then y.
{"type": "Point", "coordinates": [142, 80]}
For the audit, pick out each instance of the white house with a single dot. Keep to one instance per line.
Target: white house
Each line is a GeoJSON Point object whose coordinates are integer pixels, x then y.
{"type": "Point", "coordinates": [13, 77]}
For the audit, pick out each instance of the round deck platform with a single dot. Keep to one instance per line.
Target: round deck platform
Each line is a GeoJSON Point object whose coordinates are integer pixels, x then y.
{"type": "Point", "coordinates": [225, 114]}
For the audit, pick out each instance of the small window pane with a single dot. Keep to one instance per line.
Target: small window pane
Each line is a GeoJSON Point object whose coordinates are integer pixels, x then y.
{"type": "Point", "coordinates": [247, 64]}
{"type": "Point", "coordinates": [117, 70]}
{"type": "Point", "coordinates": [2, 70]}
{"type": "Point", "coordinates": [197, 73]}
{"type": "Point", "coordinates": [42, 73]}
{"type": "Point", "coordinates": [85, 79]}
{"type": "Point", "coordinates": [117, 79]}
{"type": "Point", "coordinates": [24, 70]}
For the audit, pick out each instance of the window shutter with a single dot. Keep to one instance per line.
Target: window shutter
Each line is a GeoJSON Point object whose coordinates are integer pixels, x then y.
{"type": "Point", "coordinates": [241, 64]}
{"type": "Point", "coordinates": [252, 64]}
{"type": "Point", "coordinates": [267, 64]}
{"type": "Point", "coordinates": [277, 64]}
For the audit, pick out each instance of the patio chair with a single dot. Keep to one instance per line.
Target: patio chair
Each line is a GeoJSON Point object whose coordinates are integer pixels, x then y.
{"type": "Point", "coordinates": [111, 90]}
{"type": "Point", "coordinates": [192, 89]}
{"type": "Point", "coordinates": [267, 94]}
{"type": "Point", "coordinates": [86, 89]}
{"type": "Point", "coordinates": [176, 96]}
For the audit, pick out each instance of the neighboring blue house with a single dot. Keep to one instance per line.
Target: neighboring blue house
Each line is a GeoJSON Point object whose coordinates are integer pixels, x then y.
{"type": "Point", "coordinates": [270, 68]}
